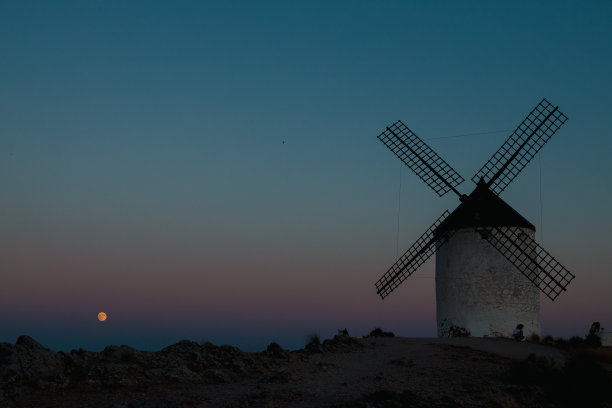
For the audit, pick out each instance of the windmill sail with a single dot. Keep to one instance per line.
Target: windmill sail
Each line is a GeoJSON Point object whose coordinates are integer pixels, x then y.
{"type": "Point", "coordinates": [414, 257]}
{"type": "Point", "coordinates": [518, 150]}
{"type": "Point", "coordinates": [497, 173]}
{"type": "Point", "coordinates": [421, 159]}
{"type": "Point", "coordinates": [541, 268]}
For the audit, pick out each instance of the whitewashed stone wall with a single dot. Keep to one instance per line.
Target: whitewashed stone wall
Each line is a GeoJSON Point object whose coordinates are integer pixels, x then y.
{"type": "Point", "coordinates": [481, 291]}
{"type": "Point", "coordinates": [606, 339]}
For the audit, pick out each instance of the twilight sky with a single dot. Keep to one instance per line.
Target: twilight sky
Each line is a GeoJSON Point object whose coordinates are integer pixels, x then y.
{"type": "Point", "coordinates": [211, 171]}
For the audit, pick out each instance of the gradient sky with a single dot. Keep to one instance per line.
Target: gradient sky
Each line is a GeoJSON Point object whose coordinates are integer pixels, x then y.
{"type": "Point", "coordinates": [210, 170]}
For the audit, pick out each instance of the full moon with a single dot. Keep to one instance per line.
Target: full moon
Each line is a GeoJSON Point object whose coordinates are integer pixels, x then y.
{"type": "Point", "coordinates": [101, 316]}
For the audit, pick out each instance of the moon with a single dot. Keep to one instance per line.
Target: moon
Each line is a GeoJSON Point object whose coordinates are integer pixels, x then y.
{"type": "Point", "coordinates": [101, 316]}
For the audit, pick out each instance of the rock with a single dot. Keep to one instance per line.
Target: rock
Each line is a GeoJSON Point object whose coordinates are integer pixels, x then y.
{"type": "Point", "coordinates": [27, 366]}
{"type": "Point", "coordinates": [6, 351]}
{"type": "Point", "coordinates": [341, 342]}
{"type": "Point", "coordinates": [217, 376]}
{"type": "Point", "coordinates": [276, 351]}
{"type": "Point", "coordinates": [378, 332]}
{"type": "Point", "coordinates": [313, 348]}
{"type": "Point", "coordinates": [456, 331]}
{"type": "Point", "coordinates": [29, 342]}
{"type": "Point", "coordinates": [28, 361]}
{"type": "Point", "coordinates": [121, 354]}
{"type": "Point", "coordinates": [183, 346]}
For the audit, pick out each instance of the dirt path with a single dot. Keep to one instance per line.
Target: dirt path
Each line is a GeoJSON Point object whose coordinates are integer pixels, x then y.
{"type": "Point", "coordinates": [499, 346]}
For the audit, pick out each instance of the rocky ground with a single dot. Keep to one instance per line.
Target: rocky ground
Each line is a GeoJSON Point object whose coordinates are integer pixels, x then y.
{"type": "Point", "coordinates": [375, 371]}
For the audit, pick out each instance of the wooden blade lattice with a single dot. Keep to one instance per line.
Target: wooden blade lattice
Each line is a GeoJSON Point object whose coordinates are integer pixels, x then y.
{"type": "Point", "coordinates": [541, 268]}
{"type": "Point", "coordinates": [421, 159]}
{"type": "Point", "coordinates": [414, 257]}
{"type": "Point", "coordinates": [528, 138]}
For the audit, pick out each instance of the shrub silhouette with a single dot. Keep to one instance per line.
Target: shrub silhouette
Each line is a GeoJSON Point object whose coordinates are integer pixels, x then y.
{"type": "Point", "coordinates": [548, 340]}
{"type": "Point", "coordinates": [313, 339]}
{"type": "Point", "coordinates": [592, 340]}
{"type": "Point", "coordinates": [533, 338]}
{"type": "Point", "coordinates": [576, 342]}
{"type": "Point", "coordinates": [378, 332]}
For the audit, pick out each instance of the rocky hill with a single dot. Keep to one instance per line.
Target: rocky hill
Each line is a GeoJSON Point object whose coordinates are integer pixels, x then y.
{"type": "Point", "coordinates": [374, 371]}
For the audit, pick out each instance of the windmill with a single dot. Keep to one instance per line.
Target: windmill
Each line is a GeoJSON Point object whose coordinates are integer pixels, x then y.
{"type": "Point", "coordinates": [489, 268]}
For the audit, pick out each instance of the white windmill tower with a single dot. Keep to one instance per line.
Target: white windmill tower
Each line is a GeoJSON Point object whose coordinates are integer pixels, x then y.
{"type": "Point", "coordinates": [488, 266]}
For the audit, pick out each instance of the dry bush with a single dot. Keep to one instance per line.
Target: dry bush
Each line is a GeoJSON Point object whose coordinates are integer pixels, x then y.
{"type": "Point", "coordinates": [313, 339]}
{"type": "Point", "coordinates": [533, 338]}
{"type": "Point", "coordinates": [378, 332]}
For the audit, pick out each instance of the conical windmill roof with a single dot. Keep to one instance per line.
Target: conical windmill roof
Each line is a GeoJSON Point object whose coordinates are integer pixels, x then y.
{"type": "Point", "coordinates": [483, 208]}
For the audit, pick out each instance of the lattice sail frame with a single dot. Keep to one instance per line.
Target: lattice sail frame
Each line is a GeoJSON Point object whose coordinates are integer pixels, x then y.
{"type": "Point", "coordinates": [415, 256]}
{"type": "Point", "coordinates": [421, 159]}
{"type": "Point", "coordinates": [541, 268]}
{"type": "Point", "coordinates": [518, 150]}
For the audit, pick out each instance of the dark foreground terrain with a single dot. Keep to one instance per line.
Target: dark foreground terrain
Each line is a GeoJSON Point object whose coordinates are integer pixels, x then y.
{"type": "Point", "coordinates": [342, 372]}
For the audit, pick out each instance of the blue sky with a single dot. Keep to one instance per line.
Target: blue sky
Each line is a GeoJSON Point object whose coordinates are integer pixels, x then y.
{"type": "Point", "coordinates": [211, 171]}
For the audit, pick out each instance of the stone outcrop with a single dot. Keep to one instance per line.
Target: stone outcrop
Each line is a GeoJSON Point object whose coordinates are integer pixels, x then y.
{"type": "Point", "coordinates": [28, 365]}
{"type": "Point", "coordinates": [379, 370]}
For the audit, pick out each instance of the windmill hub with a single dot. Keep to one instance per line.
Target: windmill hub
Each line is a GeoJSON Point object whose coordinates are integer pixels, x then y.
{"type": "Point", "coordinates": [489, 269]}
{"type": "Point", "coordinates": [482, 209]}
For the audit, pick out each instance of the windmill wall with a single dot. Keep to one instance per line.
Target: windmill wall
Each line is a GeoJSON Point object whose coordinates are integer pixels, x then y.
{"type": "Point", "coordinates": [479, 290]}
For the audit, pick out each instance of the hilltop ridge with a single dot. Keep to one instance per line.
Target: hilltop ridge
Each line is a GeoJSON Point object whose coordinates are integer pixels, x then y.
{"type": "Point", "coordinates": [341, 372]}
